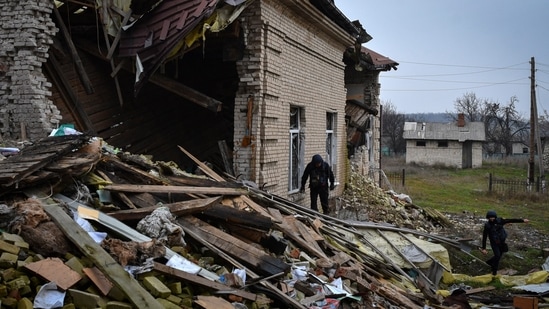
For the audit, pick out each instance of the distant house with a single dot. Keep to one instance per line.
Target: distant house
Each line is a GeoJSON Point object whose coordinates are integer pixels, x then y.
{"type": "Point", "coordinates": [457, 144]}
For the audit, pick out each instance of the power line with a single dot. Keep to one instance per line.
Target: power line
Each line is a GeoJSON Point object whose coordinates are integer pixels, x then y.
{"type": "Point", "coordinates": [511, 82]}
{"type": "Point", "coordinates": [469, 66]}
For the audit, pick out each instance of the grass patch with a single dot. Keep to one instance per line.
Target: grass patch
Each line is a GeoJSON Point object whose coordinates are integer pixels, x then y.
{"type": "Point", "coordinates": [466, 190]}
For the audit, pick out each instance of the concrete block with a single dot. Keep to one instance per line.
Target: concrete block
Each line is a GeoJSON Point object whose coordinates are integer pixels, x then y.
{"type": "Point", "coordinates": [24, 303]}
{"type": "Point", "coordinates": [8, 260]}
{"type": "Point", "coordinates": [7, 247]}
{"type": "Point", "coordinates": [167, 304]}
{"type": "Point", "coordinates": [175, 288]}
{"type": "Point", "coordinates": [82, 299]}
{"type": "Point", "coordinates": [9, 274]}
{"type": "Point", "coordinates": [174, 299]}
{"type": "Point", "coordinates": [156, 287]}
{"type": "Point", "coordinates": [118, 305]}
{"type": "Point", "coordinates": [11, 238]}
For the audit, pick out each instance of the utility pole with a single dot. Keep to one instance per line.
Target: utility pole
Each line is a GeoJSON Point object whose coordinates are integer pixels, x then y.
{"type": "Point", "coordinates": [533, 116]}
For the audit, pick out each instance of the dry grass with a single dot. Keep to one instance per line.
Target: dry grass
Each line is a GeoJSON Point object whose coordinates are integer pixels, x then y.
{"type": "Point", "coordinates": [466, 190]}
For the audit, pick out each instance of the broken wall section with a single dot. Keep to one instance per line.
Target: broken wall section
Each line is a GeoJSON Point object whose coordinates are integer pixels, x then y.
{"type": "Point", "coordinates": [26, 110]}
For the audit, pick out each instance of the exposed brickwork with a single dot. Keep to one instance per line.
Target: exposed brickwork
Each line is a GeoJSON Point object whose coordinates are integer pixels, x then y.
{"type": "Point", "coordinates": [288, 62]}
{"type": "Point", "coordinates": [27, 32]}
{"type": "Point", "coordinates": [451, 156]}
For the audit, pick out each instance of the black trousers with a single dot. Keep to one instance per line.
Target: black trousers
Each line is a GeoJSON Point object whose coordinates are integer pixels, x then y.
{"type": "Point", "coordinates": [321, 192]}
{"type": "Point", "coordinates": [498, 251]}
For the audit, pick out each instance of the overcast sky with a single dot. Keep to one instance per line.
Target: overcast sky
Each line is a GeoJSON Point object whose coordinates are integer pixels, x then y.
{"type": "Point", "coordinates": [448, 48]}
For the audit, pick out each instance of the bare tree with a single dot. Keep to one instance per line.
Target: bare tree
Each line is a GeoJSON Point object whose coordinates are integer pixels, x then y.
{"type": "Point", "coordinates": [504, 126]}
{"type": "Point", "coordinates": [392, 129]}
{"type": "Point", "coordinates": [470, 106]}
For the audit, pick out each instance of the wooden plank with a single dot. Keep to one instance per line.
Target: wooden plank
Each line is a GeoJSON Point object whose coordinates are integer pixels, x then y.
{"type": "Point", "coordinates": [211, 302]}
{"type": "Point", "coordinates": [177, 209]}
{"type": "Point", "coordinates": [146, 177]}
{"type": "Point", "coordinates": [224, 150]}
{"type": "Point", "coordinates": [235, 247]}
{"type": "Point", "coordinates": [258, 208]}
{"type": "Point", "coordinates": [74, 53]}
{"type": "Point", "coordinates": [137, 295]}
{"type": "Point", "coordinates": [175, 189]}
{"type": "Point", "coordinates": [241, 217]}
{"type": "Point", "coordinates": [208, 171]}
{"type": "Point", "coordinates": [310, 236]}
{"type": "Point", "coordinates": [122, 229]}
{"type": "Point", "coordinates": [122, 196]}
{"type": "Point", "coordinates": [194, 279]}
{"type": "Point", "coordinates": [164, 31]}
{"type": "Point", "coordinates": [291, 232]}
{"type": "Point", "coordinates": [293, 303]}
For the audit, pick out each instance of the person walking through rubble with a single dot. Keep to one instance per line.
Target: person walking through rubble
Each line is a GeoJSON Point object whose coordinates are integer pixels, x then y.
{"type": "Point", "coordinates": [494, 230]}
{"type": "Point", "coordinates": [319, 173]}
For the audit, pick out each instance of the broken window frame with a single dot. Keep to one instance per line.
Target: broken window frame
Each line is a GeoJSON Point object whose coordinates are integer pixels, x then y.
{"type": "Point", "coordinates": [331, 140]}
{"type": "Point", "coordinates": [296, 154]}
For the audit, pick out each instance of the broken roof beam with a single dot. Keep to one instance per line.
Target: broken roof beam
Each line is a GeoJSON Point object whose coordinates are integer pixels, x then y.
{"type": "Point", "coordinates": [290, 301]}
{"type": "Point", "coordinates": [196, 280]}
{"type": "Point", "coordinates": [74, 53]}
{"type": "Point", "coordinates": [175, 189]}
{"type": "Point", "coordinates": [186, 92]}
{"type": "Point", "coordinates": [162, 81]}
{"type": "Point", "coordinates": [177, 209]}
{"type": "Point", "coordinates": [234, 246]}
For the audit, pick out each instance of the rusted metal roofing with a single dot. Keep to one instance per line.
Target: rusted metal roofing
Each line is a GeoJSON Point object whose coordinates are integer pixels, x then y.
{"type": "Point", "coordinates": [153, 36]}
{"type": "Point", "coordinates": [378, 60]}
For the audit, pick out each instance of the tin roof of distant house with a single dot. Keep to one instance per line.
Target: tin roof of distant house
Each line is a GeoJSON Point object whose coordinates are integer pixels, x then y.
{"type": "Point", "coordinates": [470, 131]}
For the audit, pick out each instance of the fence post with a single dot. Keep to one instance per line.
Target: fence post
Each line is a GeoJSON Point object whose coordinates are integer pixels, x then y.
{"type": "Point", "coordinates": [403, 177]}
{"type": "Point", "coordinates": [490, 183]}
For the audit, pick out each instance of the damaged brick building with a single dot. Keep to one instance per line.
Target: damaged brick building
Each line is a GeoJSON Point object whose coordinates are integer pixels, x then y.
{"type": "Point", "coordinates": [254, 87]}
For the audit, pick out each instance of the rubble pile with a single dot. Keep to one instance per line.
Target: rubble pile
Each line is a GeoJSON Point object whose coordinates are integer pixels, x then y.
{"type": "Point", "coordinates": [364, 200]}
{"type": "Point", "coordinates": [86, 226]}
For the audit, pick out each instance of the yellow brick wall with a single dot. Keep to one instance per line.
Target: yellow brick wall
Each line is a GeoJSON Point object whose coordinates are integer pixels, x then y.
{"type": "Point", "coordinates": [296, 64]}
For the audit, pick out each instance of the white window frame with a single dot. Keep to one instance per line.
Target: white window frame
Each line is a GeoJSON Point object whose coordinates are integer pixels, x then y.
{"type": "Point", "coordinates": [296, 149]}
{"type": "Point", "coordinates": [331, 140]}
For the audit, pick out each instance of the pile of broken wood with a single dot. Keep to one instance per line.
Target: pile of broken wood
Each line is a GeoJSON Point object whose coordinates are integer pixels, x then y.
{"type": "Point", "coordinates": [117, 230]}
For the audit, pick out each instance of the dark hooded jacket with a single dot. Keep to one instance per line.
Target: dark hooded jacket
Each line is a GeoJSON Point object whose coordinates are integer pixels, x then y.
{"type": "Point", "coordinates": [319, 176]}
{"type": "Point", "coordinates": [494, 230]}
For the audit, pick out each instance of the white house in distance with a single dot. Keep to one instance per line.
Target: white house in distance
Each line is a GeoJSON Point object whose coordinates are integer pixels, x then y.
{"type": "Point", "coordinates": [455, 144]}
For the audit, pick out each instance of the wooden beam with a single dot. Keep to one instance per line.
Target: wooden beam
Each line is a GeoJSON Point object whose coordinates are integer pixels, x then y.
{"type": "Point", "coordinates": [74, 53]}
{"type": "Point", "coordinates": [177, 209]}
{"type": "Point", "coordinates": [235, 247]}
{"type": "Point", "coordinates": [164, 82]}
{"type": "Point", "coordinates": [208, 171]}
{"type": "Point", "coordinates": [73, 103]}
{"type": "Point", "coordinates": [137, 295]}
{"type": "Point", "coordinates": [290, 301]}
{"type": "Point", "coordinates": [196, 280]}
{"type": "Point", "coordinates": [175, 189]}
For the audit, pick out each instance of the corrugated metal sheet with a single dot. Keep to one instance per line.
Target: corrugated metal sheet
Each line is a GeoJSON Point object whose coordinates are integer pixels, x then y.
{"type": "Point", "coordinates": [472, 131]}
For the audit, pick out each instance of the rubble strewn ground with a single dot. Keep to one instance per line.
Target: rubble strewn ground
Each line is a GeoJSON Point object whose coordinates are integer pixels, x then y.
{"type": "Point", "coordinates": [362, 201]}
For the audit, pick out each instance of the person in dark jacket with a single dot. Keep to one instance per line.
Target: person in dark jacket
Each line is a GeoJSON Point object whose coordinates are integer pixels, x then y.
{"type": "Point", "coordinates": [494, 231]}
{"type": "Point", "coordinates": [319, 173]}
